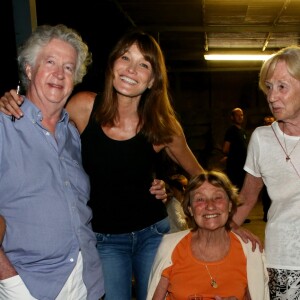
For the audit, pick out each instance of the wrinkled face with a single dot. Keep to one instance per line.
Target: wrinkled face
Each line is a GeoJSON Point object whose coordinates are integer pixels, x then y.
{"type": "Point", "coordinates": [132, 73]}
{"type": "Point", "coordinates": [210, 207]}
{"type": "Point", "coordinates": [52, 78]}
{"type": "Point", "coordinates": [283, 93]}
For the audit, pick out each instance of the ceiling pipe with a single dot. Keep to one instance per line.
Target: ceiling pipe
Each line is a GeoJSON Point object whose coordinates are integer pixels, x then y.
{"type": "Point", "coordinates": [275, 22]}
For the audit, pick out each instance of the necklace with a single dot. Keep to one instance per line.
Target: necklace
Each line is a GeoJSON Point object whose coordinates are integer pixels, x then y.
{"type": "Point", "coordinates": [287, 156]}
{"type": "Point", "coordinates": [213, 282]}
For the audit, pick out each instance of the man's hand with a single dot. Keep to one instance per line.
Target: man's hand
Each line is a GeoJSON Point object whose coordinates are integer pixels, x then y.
{"type": "Point", "coordinates": [10, 102]}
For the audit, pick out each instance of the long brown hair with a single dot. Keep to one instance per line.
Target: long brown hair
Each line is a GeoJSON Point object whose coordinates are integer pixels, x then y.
{"type": "Point", "coordinates": [157, 117]}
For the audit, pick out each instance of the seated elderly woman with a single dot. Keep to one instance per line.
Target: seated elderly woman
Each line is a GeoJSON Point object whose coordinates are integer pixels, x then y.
{"type": "Point", "coordinates": [208, 259]}
{"type": "Point", "coordinates": [2, 229]}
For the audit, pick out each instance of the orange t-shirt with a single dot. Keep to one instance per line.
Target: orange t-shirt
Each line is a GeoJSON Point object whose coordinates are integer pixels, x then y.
{"type": "Point", "coordinates": [188, 275]}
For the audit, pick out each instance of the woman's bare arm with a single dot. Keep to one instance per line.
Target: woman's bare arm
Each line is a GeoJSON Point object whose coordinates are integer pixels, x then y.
{"type": "Point", "coordinates": [249, 196]}
{"type": "Point", "coordinates": [180, 152]}
{"type": "Point", "coordinates": [79, 107]}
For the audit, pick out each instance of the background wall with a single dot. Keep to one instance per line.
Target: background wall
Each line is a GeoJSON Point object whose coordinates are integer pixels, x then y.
{"type": "Point", "coordinates": [203, 100]}
{"type": "Point", "coordinates": [8, 73]}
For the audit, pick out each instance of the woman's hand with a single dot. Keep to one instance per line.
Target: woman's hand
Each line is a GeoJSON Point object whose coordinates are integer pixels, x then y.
{"type": "Point", "coordinates": [247, 235]}
{"type": "Point", "coordinates": [10, 102]}
{"type": "Point", "coordinates": [158, 189]}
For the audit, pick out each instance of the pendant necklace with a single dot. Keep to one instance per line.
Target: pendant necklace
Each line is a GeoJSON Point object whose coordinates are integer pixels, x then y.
{"type": "Point", "coordinates": [213, 282]}
{"type": "Point", "coordinates": [287, 156]}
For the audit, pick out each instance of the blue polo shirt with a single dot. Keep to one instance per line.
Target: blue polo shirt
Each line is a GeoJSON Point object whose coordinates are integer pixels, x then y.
{"type": "Point", "coordinates": [44, 193]}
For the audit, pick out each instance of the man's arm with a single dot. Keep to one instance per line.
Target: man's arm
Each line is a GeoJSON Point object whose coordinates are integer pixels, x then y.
{"type": "Point", "coordinates": [6, 268]}
{"type": "Point", "coordinates": [225, 150]}
{"type": "Point", "coordinates": [2, 229]}
{"type": "Point", "coordinates": [226, 147]}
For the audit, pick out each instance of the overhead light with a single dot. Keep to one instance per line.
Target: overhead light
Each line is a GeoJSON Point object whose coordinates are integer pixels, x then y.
{"type": "Point", "coordinates": [241, 57]}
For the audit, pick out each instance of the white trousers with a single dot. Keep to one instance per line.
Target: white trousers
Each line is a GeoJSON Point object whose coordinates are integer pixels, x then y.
{"type": "Point", "coordinates": [13, 288]}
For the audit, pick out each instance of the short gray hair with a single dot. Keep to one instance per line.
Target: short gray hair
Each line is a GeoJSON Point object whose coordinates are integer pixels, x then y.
{"type": "Point", "coordinates": [28, 52]}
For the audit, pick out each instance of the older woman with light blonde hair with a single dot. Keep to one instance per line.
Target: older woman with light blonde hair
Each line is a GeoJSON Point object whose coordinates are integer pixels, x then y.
{"type": "Point", "coordinates": [273, 160]}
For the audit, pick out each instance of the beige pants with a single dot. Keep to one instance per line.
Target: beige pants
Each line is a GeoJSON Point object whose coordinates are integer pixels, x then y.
{"type": "Point", "coordinates": [74, 289]}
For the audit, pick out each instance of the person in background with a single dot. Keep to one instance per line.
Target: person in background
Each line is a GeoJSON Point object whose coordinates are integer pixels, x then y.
{"type": "Point", "coordinates": [49, 249]}
{"type": "Point", "coordinates": [268, 120]}
{"type": "Point", "coordinates": [235, 149]}
{"type": "Point", "coordinates": [122, 131]}
{"type": "Point", "coordinates": [175, 186]}
{"type": "Point", "coordinates": [208, 260]}
{"type": "Point", "coordinates": [273, 160]}
{"type": "Point", "coordinates": [266, 201]}
{"type": "Point", "coordinates": [2, 229]}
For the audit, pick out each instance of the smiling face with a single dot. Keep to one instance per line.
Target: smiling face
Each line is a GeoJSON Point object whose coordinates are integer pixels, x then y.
{"type": "Point", "coordinates": [210, 206]}
{"type": "Point", "coordinates": [283, 93]}
{"type": "Point", "coordinates": [52, 77]}
{"type": "Point", "coordinates": [132, 73]}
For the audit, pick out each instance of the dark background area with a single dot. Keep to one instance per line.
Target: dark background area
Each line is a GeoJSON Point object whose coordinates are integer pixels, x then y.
{"type": "Point", "coordinates": [203, 99]}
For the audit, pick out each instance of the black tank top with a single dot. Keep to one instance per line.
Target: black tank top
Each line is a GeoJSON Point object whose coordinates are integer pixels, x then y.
{"type": "Point", "coordinates": [121, 173]}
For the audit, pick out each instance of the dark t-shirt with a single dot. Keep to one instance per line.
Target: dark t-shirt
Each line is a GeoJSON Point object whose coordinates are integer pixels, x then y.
{"type": "Point", "coordinates": [237, 154]}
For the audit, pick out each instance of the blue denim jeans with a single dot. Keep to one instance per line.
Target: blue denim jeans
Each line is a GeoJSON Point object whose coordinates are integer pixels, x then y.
{"type": "Point", "coordinates": [126, 255]}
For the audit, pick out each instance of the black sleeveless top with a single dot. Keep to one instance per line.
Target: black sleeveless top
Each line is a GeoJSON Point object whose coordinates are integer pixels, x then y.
{"type": "Point", "coordinates": [121, 173]}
